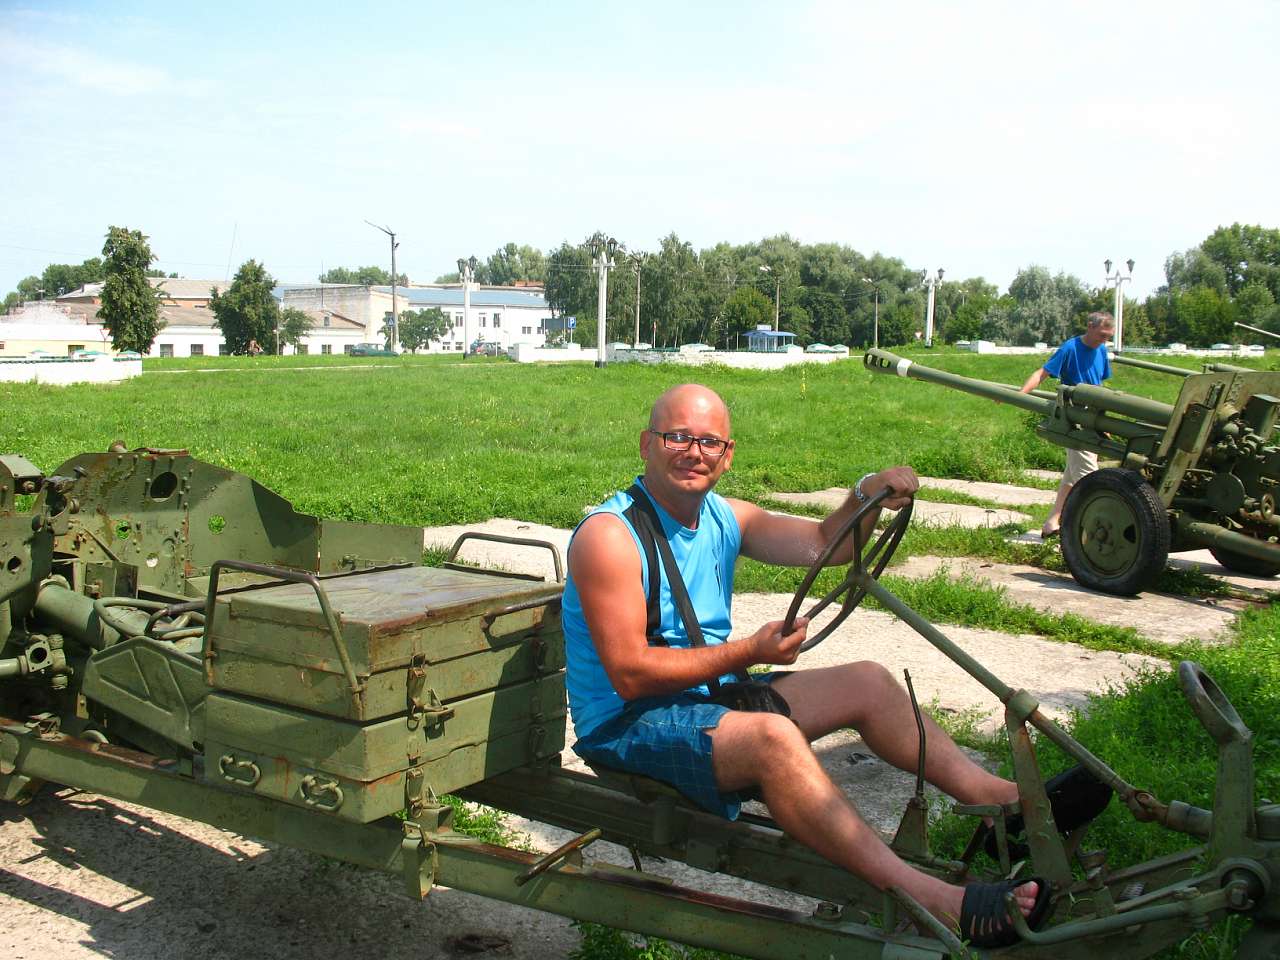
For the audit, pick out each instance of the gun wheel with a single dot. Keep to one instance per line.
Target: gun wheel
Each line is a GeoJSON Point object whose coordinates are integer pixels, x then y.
{"type": "Point", "coordinates": [1115, 532]}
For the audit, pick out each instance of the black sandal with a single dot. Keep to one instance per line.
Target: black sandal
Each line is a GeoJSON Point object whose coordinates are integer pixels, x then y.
{"type": "Point", "coordinates": [984, 920]}
{"type": "Point", "coordinates": [1076, 796]}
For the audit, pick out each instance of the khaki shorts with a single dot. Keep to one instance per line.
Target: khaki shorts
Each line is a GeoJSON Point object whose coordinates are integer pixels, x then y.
{"type": "Point", "coordinates": [1079, 463]}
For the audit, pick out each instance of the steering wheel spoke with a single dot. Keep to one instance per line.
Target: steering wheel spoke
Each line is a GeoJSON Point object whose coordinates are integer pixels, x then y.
{"type": "Point", "coordinates": [867, 562]}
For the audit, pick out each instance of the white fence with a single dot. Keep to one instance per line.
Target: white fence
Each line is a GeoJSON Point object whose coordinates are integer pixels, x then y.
{"type": "Point", "coordinates": [61, 371]}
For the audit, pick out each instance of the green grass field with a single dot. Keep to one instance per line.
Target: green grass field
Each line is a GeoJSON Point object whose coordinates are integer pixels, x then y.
{"type": "Point", "coordinates": [435, 440]}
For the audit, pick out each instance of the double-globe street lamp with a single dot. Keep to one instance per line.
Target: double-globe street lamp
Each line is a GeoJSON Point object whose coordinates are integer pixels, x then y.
{"type": "Point", "coordinates": [932, 284]}
{"type": "Point", "coordinates": [467, 274]}
{"type": "Point", "coordinates": [1119, 280]}
{"type": "Point", "coordinates": [875, 336]}
{"type": "Point", "coordinates": [603, 249]}
{"type": "Point", "coordinates": [777, 287]}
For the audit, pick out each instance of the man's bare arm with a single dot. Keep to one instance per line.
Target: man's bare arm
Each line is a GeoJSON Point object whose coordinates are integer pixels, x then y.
{"type": "Point", "coordinates": [798, 542]}
{"type": "Point", "coordinates": [605, 565]}
{"type": "Point", "coordinates": [1034, 380]}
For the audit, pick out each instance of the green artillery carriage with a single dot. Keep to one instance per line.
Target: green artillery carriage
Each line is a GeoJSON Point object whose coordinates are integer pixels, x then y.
{"type": "Point", "coordinates": [174, 635]}
{"type": "Point", "coordinates": [1203, 472]}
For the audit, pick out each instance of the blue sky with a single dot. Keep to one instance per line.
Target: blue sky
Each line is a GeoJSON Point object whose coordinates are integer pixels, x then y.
{"type": "Point", "coordinates": [976, 137]}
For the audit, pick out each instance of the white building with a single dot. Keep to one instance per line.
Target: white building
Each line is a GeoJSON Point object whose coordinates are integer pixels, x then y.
{"type": "Point", "coordinates": [502, 315]}
{"type": "Point", "coordinates": [342, 315]}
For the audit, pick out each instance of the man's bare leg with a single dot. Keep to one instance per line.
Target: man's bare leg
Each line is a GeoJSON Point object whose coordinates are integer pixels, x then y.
{"type": "Point", "coordinates": [867, 697]}
{"type": "Point", "coordinates": [769, 750]}
{"type": "Point", "coordinates": [1053, 522]}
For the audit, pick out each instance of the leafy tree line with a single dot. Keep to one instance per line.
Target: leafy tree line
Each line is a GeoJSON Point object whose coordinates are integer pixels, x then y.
{"type": "Point", "coordinates": [828, 292]}
{"type": "Point", "coordinates": [822, 292]}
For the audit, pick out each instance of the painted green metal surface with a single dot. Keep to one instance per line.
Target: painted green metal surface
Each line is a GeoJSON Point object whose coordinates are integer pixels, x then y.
{"type": "Point", "coordinates": [1213, 459]}
{"type": "Point", "coordinates": [259, 683]}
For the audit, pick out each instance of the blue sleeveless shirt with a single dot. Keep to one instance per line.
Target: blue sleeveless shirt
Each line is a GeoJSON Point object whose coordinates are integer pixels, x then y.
{"type": "Point", "coordinates": [705, 557]}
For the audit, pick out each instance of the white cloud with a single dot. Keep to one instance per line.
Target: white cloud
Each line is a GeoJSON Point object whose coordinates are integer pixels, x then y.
{"type": "Point", "coordinates": [81, 67]}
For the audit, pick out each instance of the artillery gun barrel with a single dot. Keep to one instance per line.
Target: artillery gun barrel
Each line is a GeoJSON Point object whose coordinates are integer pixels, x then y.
{"type": "Point", "coordinates": [1125, 404]}
{"type": "Point", "coordinates": [1151, 365]}
{"type": "Point", "coordinates": [1099, 400]}
{"type": "Point", "coordinates": [882, 361]}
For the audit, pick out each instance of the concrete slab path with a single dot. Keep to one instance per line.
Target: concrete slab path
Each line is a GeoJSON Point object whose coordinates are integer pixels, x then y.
{"type": "Point", "coordinates": [940, 514]}
{"type": "Point", "coordinates": [1159, 617]}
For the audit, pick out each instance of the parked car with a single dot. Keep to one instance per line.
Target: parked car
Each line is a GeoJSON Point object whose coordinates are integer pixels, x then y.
{"type": "Point", "coordinates": [487, 348]}
{"type": "Point", "coordinates": [371, 350]}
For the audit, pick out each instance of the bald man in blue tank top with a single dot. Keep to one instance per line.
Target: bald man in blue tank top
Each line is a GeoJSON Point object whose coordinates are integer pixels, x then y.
{"type": "Point", "coordinates": [643, 701]}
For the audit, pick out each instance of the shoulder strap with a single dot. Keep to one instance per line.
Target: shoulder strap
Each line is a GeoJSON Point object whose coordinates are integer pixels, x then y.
{"type": "Point", "coordinates": [644, 531]}
{"type": "Point", "coordinates": [647, 516]}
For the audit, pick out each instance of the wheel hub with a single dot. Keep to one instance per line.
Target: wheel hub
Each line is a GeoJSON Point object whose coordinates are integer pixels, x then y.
{"type": "Point", "coordinates": [1109, 534]}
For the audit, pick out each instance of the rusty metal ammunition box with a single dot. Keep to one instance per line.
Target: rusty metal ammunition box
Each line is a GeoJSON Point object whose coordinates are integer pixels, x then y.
{"type": "Point", "coordinates": [361, 694]}
{"type": "Point", "coordinates": [413, 636]}
{"type": "Point", "coordinates": [365, 771]}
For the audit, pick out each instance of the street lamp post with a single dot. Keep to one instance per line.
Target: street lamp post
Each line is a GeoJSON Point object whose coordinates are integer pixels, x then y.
{"type": "Point", "coordinates": [636, 260]}
{"type": "Point", "coordinates": [395, 310]}
{"type": "Point", "coordinates": [467, 274]}
{"type": "Point", "coordinates": [602, 253]}
{"type": "Point", "coordinates": [875, 336]}
{"type": "Point", "coordinates": [1119, 280]}
{"type": "Point", "coordinates": [777, 286]}
{"type": "Point", "coordinates": [932, 284]}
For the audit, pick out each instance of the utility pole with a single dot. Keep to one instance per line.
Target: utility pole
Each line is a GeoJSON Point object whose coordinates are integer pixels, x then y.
{"type": "Point", "coordinates": [931, 283]}
{"type": "Point", "coordinates": [636, 260]}
{"type": "Point", "coordinates": [777, 287]}
{"type": "Point", "coordinates": [875, 337]}
{"type": "Point", "coordinates": [467, 273]}
{"type": "Point", "coordinates": [602, 254]}
{"type": "Point", "coordinates": [395, 309]}
{"type": "Point", "coordinates": [1119, 280]}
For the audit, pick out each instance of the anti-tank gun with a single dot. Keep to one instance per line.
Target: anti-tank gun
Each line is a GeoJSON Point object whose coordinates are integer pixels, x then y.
{"type": "Point", "coordinates": [1201, 472]}
{"type": "Point", "coordinates": [175, 635]}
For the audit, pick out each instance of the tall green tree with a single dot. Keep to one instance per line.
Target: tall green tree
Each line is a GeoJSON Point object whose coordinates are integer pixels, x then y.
{"type": "Point", "coordinates": [295, 324]}
{"type": "Point", "coordinates": [368, 276]}
{"type": "Point", "coordinates": [130, 309]}
{"type": "Point", "coordinates": [512, 262]}
{"type": "Point", "coordinates": [419, 327]}
{"type": "Point", "coordinates": [248, 310]}
{"type": "Point", "coordinates": [570, 287]}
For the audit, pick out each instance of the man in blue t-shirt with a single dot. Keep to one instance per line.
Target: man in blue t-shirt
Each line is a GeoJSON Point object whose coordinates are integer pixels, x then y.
{"type": "Point", "coordinates": [1081, 359]}
{"type": "Point", "coordinates": [640, 691]}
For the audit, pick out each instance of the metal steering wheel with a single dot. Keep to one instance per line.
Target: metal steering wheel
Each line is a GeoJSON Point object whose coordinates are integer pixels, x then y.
{"type": "Point", "coordinates": [867, 564]}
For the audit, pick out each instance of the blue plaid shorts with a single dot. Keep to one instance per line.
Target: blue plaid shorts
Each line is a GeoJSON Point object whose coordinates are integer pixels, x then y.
{"type": "Point", "coordinates": [668, 738]}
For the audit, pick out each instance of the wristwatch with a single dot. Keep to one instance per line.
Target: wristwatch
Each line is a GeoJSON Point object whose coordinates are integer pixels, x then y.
{"type": "Point", "coordinates": [857, 489]}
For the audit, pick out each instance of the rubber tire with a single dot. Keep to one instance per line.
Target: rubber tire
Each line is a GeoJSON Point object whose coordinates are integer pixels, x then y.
{"type": "Point", "coordinates": [1148, 529]}
{"type": "Point", "coordinates": [1242, 564]}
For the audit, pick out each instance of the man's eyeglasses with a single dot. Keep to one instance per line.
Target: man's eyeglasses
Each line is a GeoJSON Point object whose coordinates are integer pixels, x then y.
{"type": "Point", "coordinates": [710, 446]}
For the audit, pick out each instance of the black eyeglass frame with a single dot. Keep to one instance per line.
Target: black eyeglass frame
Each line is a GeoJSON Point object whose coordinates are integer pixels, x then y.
{"type": "Point", "coordinates": [669, 436]}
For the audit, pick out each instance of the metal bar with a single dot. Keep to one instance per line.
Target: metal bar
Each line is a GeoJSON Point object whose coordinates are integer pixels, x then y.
{"type": "Point", "coordinates": [1211, 535]}
{"type": "Point", "coordinates": [558, 854]}
{"type": "Point", "coordinates": [290, 576]}
{"type": "Point", "coordinates": [603, 894]}
{"type": "Point", "coordinates": [1149, 365]}
{"type": "Point", "coordinates": [513, 541]}
{"type": "Point", "coordinates": [998, 687]}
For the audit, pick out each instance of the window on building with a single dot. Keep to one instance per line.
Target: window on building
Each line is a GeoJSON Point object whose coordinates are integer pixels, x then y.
{"type": "Point", "coordinates": [326, 319]}
{"type": "Point", "coordinates": [326, 348]}
{"type": "Point", "coordinates": [223, 349]}
{"type": "Point", "coordinates": [73, 347]}
{"type": "Point", "coordinates": [457, 319]}
{"type": "Point", "coordinates": [497, 321]}
{"type": "Point", "coordinates": [197, 349]}
{"type": "Point", "coordinates": [1, 344]}
{"type": "Point", "coordinates": [166, 349]}
{"type": "Point", "coordinates": [300, 350]}
{"type": "Point", "coordinates": [484, 319]}
{"type": "Point", "coordinates": [346, 347]}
